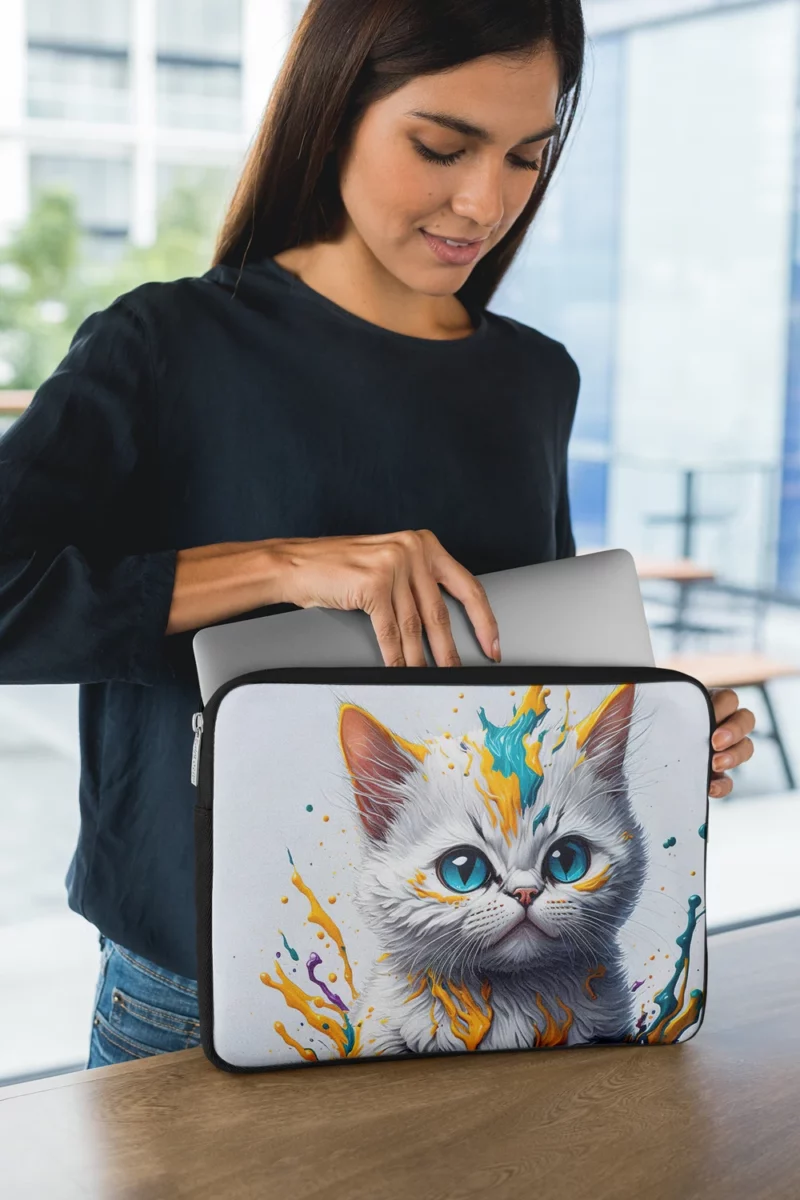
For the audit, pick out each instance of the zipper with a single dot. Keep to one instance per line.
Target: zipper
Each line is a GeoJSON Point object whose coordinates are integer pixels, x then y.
{"type": "Point", "coordinates": [197, 726]}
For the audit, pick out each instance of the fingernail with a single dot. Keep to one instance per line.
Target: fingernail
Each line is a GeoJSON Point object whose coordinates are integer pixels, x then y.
{"type": "Point", "coordinates": [721, 761]}
{"type": "Point", "coordinates": [496, 649]}
{"type": "Point", "coordinates": [723, 737]}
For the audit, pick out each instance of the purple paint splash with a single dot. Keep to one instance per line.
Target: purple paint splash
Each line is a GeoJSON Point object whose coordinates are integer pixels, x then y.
{"type": "Point", "coordinates": [639, 983]}
{"type": "Point", "coordinates": [312, 964]}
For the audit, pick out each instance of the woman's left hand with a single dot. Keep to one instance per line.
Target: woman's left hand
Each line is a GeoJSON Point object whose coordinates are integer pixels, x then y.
{"type": "Point", "coordinates": [729, 738]}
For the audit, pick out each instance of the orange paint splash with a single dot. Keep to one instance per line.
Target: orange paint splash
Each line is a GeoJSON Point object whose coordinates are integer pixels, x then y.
{"type": "Point", "coordinates": [595, 883]}
{"type": "Point", "coordinates": [303, 1051]}
{"type": "Point", "coordinates": [553, 1033]}
{"type": "Point", "coordinates": [598, 973]}
{"type": "Point", "coordinates": [469, 1021]}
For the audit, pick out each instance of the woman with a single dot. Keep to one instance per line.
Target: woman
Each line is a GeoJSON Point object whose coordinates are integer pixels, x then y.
{"type": "Point", "coordinates": [328, 417]}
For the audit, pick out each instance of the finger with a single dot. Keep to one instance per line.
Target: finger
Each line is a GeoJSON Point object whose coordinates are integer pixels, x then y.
{"type": "Point", "coordinates": [409, 622]}
{"type": "Point", "coordinates": [435, 616]}
{"type": "Point", "coordinates": [738, 754]}
{"type": "Point", "coordinates": [733, 729]}
{"type": "Point", "coordinates": [461, 584]}
{"type": "Point", "coordinates": [721, 786]}
{"type": "Point", "coordinates": [384, 621]}
{"type": "Point", "coordinates": [725, 701]}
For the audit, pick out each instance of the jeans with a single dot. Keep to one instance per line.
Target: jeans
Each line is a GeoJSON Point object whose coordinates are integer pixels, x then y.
{"type": "Point", "coordinates": [140, 1009]}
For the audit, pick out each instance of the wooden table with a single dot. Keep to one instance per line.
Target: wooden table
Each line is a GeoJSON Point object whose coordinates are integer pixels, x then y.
{"type": "Point", "coordinates": [714, 1118]}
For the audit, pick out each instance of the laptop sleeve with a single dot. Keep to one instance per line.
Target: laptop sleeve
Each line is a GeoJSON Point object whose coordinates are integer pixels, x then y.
{"type": "Point", "coordinates": [396, 862]}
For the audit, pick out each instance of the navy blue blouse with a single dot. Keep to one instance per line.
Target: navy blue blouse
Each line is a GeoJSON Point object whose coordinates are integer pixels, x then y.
{"type": "Point", "coordinates": [235, 407]}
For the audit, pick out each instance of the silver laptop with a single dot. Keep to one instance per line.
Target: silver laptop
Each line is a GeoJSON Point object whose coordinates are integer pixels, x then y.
{"type": "Point", "coordinates": [582, 611]}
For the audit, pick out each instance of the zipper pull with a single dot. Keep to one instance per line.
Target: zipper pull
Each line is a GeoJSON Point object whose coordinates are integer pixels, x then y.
{"type": "Point", "coordinates": [197, 726]}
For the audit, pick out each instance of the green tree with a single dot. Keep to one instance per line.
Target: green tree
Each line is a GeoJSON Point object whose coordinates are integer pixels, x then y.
{"type": "Point", "coordinates": [49, 281]}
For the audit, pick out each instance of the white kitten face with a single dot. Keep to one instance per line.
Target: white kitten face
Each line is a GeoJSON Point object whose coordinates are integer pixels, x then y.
{"type": "Point", "coordinates": [458, 873]}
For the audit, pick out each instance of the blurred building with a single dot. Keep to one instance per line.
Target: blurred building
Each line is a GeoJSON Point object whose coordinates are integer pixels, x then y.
{"type": "Point", "coordinates": [121, 99]}
{"type": "Point", "coordinates": [667, 258]}
{"type": "Point", "coordinates": [664, 256]}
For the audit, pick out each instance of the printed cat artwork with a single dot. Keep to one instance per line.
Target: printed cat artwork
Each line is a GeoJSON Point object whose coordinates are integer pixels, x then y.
{"type": "Point", "coordinates": [497, 871]}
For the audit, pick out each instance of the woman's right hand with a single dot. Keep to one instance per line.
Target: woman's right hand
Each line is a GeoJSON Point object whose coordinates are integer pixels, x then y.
{"type": "Point", "coordinates": [394, 578]}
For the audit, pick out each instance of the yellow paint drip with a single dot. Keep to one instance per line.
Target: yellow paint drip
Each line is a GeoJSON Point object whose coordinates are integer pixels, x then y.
{"type": "Point", "coordinates": [683, 1020]}
{"type": "Point", "coordinates": [598, 973]}
{"type": "Point", "coordinates": [425, 894]}
{"type": "Point", "coordinates": [419, 991]}
{"type": "Point", "coordinates": [503, 795]}
{"type": "Point", "coordinates": [626, 837]}
{"type": "Point", "coordinates": [660, 1031]}
{"type": "Point", "coordinates": [468, 1020]}
{"type": "Point", "coordinates": [595, 883]}
{"type": "Point", "coordinates": [303, 1051]}
{"type": "Point", "coordinates": [320, 917]}
{"type": "Point", "coordinates": [553, 1034]}
{"type": "Point", "coordinates": [296, 998]}
{"type": "Point", "coordinates": [418, 750]}
{"type": "Point", "coordinates": [585, 727]}
{"type": "Point", "coordinates": [383, 957]}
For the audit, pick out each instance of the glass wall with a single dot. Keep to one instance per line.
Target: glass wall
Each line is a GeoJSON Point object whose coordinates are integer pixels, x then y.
{"type": "Point", "coordinates": [565, 281]}
{"type": "Point", "coordinates": [662, 259]}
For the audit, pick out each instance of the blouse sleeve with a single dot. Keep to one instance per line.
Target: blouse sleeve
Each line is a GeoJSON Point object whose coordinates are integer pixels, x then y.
{"type": "Point", "coordinates": [82, 598]}
{"type": "Point", "coordinates": [565, 540]}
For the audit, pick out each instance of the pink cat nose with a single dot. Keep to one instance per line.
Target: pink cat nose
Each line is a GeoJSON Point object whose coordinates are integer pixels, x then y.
{"type": "Point", "coordinates": [525, 895]}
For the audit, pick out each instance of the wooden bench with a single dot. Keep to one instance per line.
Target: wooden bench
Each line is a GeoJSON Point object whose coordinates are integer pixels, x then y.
{"type": "Point", "coordinates": [740, 670]}
{"type": "Point", "coordinates": [13, 403]}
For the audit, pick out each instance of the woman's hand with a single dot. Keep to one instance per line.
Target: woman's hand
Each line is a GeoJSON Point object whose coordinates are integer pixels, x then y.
{"type": "Point", "coordinates": [729, 738]}
{"type": "Point", "coordinates": [394, 578]}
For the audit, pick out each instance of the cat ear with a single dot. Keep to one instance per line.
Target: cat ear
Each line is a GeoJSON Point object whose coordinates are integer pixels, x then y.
{"type": "Point", "coordinates": [379, 764]}
{"type": "Point", "coordinates": [604, 735]}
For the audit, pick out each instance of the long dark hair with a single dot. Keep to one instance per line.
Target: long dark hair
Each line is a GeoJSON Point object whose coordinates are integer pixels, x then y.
{"type": "Point", "coordinates": [346, 54]}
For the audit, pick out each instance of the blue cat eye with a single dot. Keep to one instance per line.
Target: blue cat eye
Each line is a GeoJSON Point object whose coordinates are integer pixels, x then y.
{"type": "Point", "coordinates": [567, 861]}
{"type": "Point", "coordinates": [464, 869]}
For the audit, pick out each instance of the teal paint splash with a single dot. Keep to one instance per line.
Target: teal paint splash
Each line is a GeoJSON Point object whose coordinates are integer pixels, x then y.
{"type": "Point", "coordinates": [542, 816]}
{"type": "Point", "coordinates": [291, 860]}
{"type": "Point", "coordinates": [563, 730]}
{"type": "Point", "coordinates": [702, 831]}
{"type": "Point", "coordinates": [669, 842]}
{"type": "Point", "coordinates": [666, 999]}
{"type": "Point", "coordinates": [508, 750]}
{"type": "Point", "coordinates": [309, 808]}
{"type": "Point", "coordinates": [293, 953]}
{"type": "Point", "coordinates": [349, 1033]}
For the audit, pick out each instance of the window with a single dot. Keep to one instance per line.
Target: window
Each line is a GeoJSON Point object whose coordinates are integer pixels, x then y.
{"type": "Point", "coordinates": [199, 65]}
{"type": "Point", "coordinates": [78, 60]}
{"type": "Point", "coordinates": [102, 188]}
